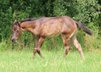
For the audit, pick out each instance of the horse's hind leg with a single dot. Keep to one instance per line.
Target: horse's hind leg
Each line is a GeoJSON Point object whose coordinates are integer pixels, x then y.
{"type": "Point", "coordinates": [65, 39]}
{"type": "Point", "coordinates": [78, 46]}
{"type": "Point", "coordinates": [38, 46]}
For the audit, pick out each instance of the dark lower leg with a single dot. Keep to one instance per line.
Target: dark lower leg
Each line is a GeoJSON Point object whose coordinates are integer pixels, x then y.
{"type": "Point", "coordinates": [38, 46]}
{"type": "Point", "coordinates": [37, 50]}
{"type": "Point", "coordinates": [65, 39]}
{"type": "Point", "coordinates": [67, 48]}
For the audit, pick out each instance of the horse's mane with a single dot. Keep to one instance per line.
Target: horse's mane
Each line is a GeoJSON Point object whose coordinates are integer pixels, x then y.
{"type": "Point", "coordinates": [24, 20]}
{"type": "Point", "coordinates": [27, 19]}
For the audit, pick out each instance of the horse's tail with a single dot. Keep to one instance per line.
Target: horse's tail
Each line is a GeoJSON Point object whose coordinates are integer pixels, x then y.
{"type": "Point", "coordinates": [84, 28]}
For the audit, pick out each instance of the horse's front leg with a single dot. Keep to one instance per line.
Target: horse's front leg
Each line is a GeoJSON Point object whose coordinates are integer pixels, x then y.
{"type": "Point", "coordinates": [65, 39]}
{"type": "Point", "coordinates": [38, 46]}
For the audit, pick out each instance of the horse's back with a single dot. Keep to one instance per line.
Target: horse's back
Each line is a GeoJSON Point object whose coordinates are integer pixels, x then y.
{"type": "Point", "coordinates": [55, 25]}
{"type": "Point", "coordinates": [51, 26]}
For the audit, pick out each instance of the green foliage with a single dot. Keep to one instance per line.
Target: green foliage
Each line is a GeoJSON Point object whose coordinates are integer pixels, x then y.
{"type": "Point", "coordinates": [63, 7]}
{"type": "Point", "coordinates": [94, 41]}
{"type": "Point", "coordinates": [3, 46]}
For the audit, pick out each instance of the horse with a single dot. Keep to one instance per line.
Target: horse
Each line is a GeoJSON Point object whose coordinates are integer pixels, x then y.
{"type": "Point", "coordinates": [45, 27]}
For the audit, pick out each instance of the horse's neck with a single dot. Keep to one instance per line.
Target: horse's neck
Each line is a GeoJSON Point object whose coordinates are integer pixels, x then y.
{"type": "Point", "coordinates": [29, 24]}
{"type": "Point", "coordinates": [31, 27]}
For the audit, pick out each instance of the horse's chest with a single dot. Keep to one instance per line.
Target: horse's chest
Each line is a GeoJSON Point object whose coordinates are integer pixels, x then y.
{"type": "Point", "coordinates": [35, 31]}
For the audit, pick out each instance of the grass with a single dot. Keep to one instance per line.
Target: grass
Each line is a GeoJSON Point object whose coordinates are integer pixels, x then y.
{"type": "Point", "coordinates": [22, 61]}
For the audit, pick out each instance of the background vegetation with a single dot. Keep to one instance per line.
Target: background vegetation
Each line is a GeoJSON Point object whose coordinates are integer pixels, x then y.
{"type": "Point", "coordinates": [86, 11]}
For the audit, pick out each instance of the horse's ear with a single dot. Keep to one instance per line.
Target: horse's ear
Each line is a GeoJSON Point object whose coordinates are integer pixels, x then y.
{"type": "Point", "coordinates": [18, 24]}
{"type": "Point", "coordinates": [15, 21]}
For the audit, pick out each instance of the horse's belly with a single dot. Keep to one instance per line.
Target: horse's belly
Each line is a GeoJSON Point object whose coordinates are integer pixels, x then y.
{"type": "Point", "coordinates": [52, 33]}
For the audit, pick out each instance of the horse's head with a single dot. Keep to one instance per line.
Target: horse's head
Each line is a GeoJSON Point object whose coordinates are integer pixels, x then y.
{"type": "Point", "coordinates": [16, 31]}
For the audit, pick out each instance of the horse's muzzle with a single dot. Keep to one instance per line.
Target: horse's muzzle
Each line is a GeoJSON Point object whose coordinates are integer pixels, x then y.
{"type": "Point", "coordinates": [13, 40]}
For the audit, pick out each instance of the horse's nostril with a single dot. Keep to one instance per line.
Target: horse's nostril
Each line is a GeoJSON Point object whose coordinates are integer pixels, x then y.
{"type": "Point", "coordinates": [13, 40]}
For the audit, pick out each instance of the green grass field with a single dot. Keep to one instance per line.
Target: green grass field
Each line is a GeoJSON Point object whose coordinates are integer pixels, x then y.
{"type": "Point", "coordinates": [22, 61]}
